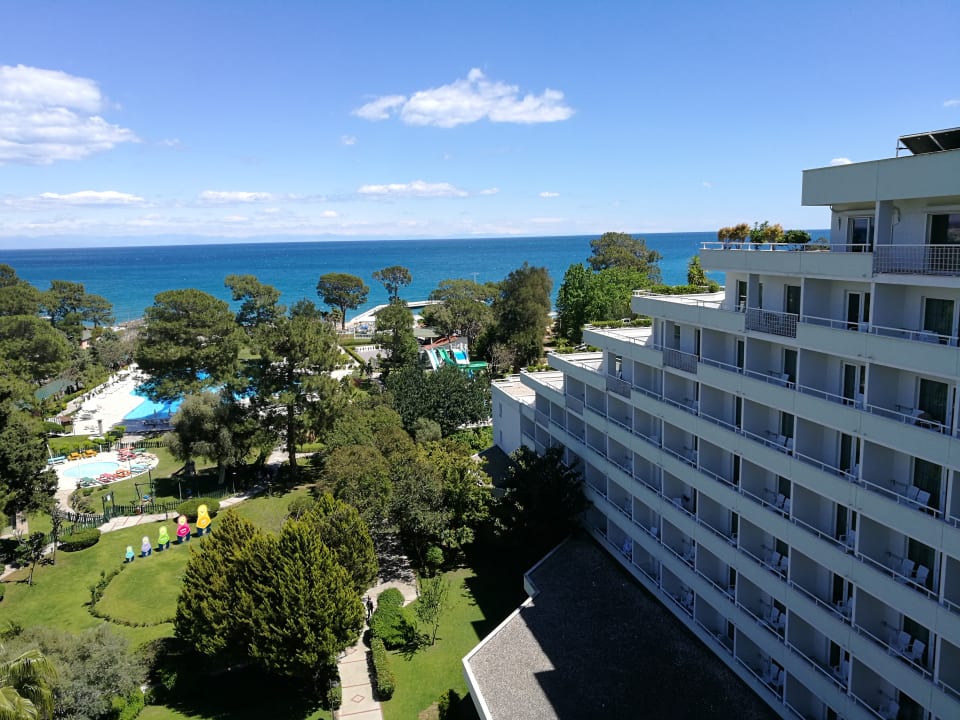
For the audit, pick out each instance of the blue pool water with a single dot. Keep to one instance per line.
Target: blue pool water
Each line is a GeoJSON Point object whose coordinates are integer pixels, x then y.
{"type": "Point", "coordinates": [150, 409]}
{"type": "Point", "coordinates": [92, 469]}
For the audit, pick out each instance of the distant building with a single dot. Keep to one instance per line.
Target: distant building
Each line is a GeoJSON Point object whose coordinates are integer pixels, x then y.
{"type": "Point", "coordinates": [779, 463]}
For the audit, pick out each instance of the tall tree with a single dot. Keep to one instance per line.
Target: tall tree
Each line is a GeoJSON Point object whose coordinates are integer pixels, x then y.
{"type": "Point", "coordinates": [205, 426]}
{"type": "Point", "coordinates": [616, 249]}
{"type": "Point", "coordinates": [25, 686]}
{"type": "Point", "coordinates": [341, 529]}
{"type": "Point", "coordinates": [306, 610]}
{"type": "Point", "coordinates": [447, 396]}
{"type": "Point", "coordinates": [62, 299]}
{"type": "Point", "coordinates": [393, 278]}
{"type": "Point", "coordinates": [395, 333]}
{"type": "Point", "coordinates": [543, 498]}
{"type": "Point", "coordinates": [189, 342]}
{"type": "Point", "coordinates": [17, 296]}
{"type": "Point", "coordinates": [360, 475]}
{"type": "Point", "coordinates": [342, 291]}
{"type": "Point", "coordinates": [574, 301]}
{"type": "Point", "coordinates": [522, 312]}
{"type": "Point", "coordinates": [291, 374]}
{"type": "Point", "coordinates": [31, 349]}
{"type": "Point", "coordinates": [26, 485]}
{"type": "Point", "coordinates": [464, 308]}
{"type": "Point", "coordinates": [259, 303]}
{"type": "Point", "coordinates": [97, 310]}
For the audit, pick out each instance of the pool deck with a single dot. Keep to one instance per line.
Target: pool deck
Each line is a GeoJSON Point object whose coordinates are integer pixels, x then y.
{"type": "Point", "coordinates": [67, 484]}
{"type": "Point", "coordinates": [114, 401]}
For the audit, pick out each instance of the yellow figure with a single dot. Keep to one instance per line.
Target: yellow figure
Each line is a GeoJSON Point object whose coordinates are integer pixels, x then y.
{"type": "Point", "coordinates": [203, 520]}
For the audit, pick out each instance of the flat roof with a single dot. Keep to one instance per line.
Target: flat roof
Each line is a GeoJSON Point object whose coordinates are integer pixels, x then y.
{"type": "Point", "coordinates": [594, 643]}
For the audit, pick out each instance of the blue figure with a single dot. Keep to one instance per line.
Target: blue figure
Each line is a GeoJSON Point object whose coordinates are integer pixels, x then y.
{"type": "Point", "coordinates": [129, 554]}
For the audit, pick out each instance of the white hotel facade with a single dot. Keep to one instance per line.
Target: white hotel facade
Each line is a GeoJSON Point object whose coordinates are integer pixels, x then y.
{"type": "Point", "coordinates": [779, 463]}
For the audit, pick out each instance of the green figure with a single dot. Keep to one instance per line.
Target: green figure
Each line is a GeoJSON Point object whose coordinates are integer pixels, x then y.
{"type": "Point", "coordinates": [163, 538]}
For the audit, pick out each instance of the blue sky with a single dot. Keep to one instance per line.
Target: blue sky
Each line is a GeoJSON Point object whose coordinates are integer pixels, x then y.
{"type": "Point", "coordinates": [121, 121]}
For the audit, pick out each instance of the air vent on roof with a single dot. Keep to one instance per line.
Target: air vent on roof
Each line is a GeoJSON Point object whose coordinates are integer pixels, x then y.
{"type": "Point", "coordinates": [930, 142]}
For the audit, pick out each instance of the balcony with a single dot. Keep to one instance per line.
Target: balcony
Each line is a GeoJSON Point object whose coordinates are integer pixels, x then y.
{"type": "Point", "coordinates": [680, 360]}
{"type": "Point", "coordinates": [917, 260]}
{"type": "Point", "coordinates": [709, 310]}
{"type": "Point", "coordinates": [772, 322]}
{"type": "Point", "coordinates": [813, 260]}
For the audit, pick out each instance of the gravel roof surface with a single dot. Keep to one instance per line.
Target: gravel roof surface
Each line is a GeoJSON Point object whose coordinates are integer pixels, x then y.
{"type": "Point", "coordinates": [596, 644]}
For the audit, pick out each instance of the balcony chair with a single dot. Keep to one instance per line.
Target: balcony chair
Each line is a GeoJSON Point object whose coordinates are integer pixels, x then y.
{"type": "Point", "coordinates": [920, 575]}
{"type": "Point", "coordinates": [772, 560]}
{"type": "Point", "coordinates": [844, 607]}
{"type": "Point", "coordinates": [922, 499]}
{"type": "Point", "coordinates": [889, 710]}
{"type": "Point", "coordinates": [899, 642]}
{"type": "Point", "coordinates": [849, 539]}
{"type": "Point", "coordinates": [916, 651]}
{"type": "Point", "coordinates": [779, 680]}
{"type": "Point", "coordinates": [654, 531]}
{"type": "Point", "coordinates": [784, 565]}
{"type": "Point", "coordinates": [842, 672]}
{"type": "Point", "coordinates": [905, 569]}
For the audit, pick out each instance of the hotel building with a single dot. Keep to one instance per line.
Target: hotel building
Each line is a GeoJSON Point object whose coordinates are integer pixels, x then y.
{"type": "Point", "coordinates": [779, 463]}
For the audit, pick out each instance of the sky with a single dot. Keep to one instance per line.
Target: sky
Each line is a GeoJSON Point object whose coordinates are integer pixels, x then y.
{"type": "Point", "coordinates": [125, 122]}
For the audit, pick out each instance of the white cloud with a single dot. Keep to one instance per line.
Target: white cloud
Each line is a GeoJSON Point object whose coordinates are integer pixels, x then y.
{"type": "Point", "coordinates": [229, 197]}
{"type": "Point", "coordinates": [548, 194]}
{"type": "Point", "coordinates": [545, 220]}
{"type": "Point", "coordinates": [328, 214]}
{"type": "Point", "coordinates": [953, 102]}
{"type": "Point", "coordinates": [707, 184]}
{"type": "Point", "coordinates": [48, 115]}
{"type": "Point", "coordinates": [171, 143]}
{"type": "Point", "coordinates": [92, 197]}
{"type": "Point", "coordinates": [380, 108]}
{"type": "Point", "coordinates": [348, 140]}
{"type": "Point", "coordinates": [489, 191]}
{"type": "Point", "coordinates": [469, 100]}
{"type": "Point", "coordinates": [235, 218]}
{"type": "Point", "coordinates": [417, 188]}
{"type": "Point", "coordinates": [841, 161]}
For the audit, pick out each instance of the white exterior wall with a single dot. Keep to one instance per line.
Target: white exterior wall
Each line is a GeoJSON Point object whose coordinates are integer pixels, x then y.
{"type": "Point", "coordinates": [668, 506]}
{"type": "Point", "coordinates": [506, 414]}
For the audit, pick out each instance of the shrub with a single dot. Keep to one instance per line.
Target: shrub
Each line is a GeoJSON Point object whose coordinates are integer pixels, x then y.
{"type": "Point", "coordinates": [189, 507]}
{"type": "Point", "coordinates": [385, 682]}
{"type": "Point", "coordinates": [80, 540]}
{"type": "Point", "coordinates": [447, 704]}
{"type": "Point", "coordinates": [129, 707]}
{"type": "Point", "coordinates": [300, 506]}
{"type": "Point", "coordinates": [3, 587]}
{"type": "Point", "coordinates": [433, 558]}
{"type": "Point", "coordinates": [388, 623]}
{"type": "Point", "coordinates": [334, 695]}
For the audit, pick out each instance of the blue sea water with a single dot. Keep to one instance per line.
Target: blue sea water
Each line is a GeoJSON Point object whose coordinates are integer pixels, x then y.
{"type": "Point", "coordinates": [129, 277]}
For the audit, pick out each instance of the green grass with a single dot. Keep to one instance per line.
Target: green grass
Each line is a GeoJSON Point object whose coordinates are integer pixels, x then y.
{"type": "Point", "coordinates": [269, 511]}
{"type": "Point", "coordinates": [147, 590]}
{"type": "Point", "coordinates": [476, 604]}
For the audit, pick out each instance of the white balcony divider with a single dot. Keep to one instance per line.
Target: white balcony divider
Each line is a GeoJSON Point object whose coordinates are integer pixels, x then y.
{"type": "Point", "coordinates": [917, 259]}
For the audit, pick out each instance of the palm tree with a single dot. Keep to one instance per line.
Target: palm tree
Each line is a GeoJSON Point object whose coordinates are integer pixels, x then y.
{"type": "Point", "coordinates": [25, 692]}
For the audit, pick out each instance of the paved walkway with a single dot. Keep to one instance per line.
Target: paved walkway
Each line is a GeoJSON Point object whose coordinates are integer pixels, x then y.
{"type": "Point", "coordinates": [356, 666]}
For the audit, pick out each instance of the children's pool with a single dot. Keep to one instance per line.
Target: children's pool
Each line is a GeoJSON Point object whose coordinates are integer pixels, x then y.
{"type": "Point", "coordinates": [91, 469]}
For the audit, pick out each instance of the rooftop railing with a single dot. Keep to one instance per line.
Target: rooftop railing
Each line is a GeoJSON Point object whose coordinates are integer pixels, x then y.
{"type": "Point", "coordinates": [784, 247]}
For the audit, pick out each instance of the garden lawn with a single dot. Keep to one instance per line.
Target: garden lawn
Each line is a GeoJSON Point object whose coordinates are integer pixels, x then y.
{"type": "Point", "coordinates": [269, 511]}
{"type": "Point", "coordinates": [475, 605]}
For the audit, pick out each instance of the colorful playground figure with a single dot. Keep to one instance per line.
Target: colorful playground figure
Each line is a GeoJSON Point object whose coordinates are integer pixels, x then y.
{"type": "Point", "coordinates": [163, 538]}
{"type": "Point", "coordinates": [203, 520]}
{"type": "Point", "coordinates": [129, 556]}
{"type": "Point", "coordinates": [183, 530]}
{"type": "Point", "coordinates": [145, 547]}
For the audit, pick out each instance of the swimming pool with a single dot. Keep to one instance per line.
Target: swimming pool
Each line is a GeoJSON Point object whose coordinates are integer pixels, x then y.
{"type": "Point", "coordinates": [149, 409]}
{"type": "Point", "coordinates": [91, 469]}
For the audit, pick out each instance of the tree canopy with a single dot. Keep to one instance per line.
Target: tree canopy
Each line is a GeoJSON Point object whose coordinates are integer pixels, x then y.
{"type": "Point", "coordinates": [522, 312]}
{"type": "Point", "coordinates": [395, 334]}
{"type": "Point", "coordinates": [259, 303]}
{"type": "Point", "coordinates": [464, 308]}
{"type": "Point", "coordinates": [342, 291]}
{"type": "Point", "coordinates": [616, 249]}
{"type": "Point", "coordinates": [189, 342]}
{"type": "Point", "coordinates": [393, 278]}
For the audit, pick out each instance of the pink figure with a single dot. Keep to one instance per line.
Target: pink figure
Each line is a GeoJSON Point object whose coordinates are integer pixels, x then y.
{"type": "Point", "coordinates": [183, 530]}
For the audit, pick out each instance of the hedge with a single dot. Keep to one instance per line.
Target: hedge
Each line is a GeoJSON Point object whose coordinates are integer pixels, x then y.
{"type": "Point", "coordinates": [386, 682]}
{"type": "Point", "coordinates": [80, 540]}
{"type": "Point", "coordinates": [388, 623]}
{"type": "Point", "coordinates": [189, 507]}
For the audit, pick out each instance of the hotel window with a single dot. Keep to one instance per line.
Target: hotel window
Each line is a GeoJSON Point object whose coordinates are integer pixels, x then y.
{"type": "Point", "coordinates": [932, 399]}
{"type": "Point", "coordinates": [938, 317]}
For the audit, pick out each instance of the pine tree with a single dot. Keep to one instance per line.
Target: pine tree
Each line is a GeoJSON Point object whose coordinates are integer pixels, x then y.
{"type": "Point", "coordinates": [341, 528]}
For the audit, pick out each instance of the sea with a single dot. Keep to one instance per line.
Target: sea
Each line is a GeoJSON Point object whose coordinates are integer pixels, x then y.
{"type": "Point", "coordinates": [130, 276]}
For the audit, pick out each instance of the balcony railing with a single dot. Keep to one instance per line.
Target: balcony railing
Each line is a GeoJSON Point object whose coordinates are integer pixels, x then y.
{"type": "Point", "coordinates": [917, 259]}
{"type": "Point", "coordinates": [680, 360]}
{"type": "Point", "coordinates": [574, 404]}
{"type": "Point", "coordinates": [618, 386]}
{"type": "Point", "coordinates": [772, 322]}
